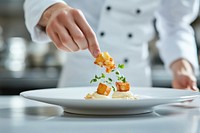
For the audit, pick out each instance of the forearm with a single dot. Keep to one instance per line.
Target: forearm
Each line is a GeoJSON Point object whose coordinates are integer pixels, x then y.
{"type": "Point", "coordinates": [176, 35]}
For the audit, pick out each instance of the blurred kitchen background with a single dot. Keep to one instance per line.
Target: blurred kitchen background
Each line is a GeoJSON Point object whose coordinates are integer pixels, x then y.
{"type": "Point", "coordinates": [25, 65]}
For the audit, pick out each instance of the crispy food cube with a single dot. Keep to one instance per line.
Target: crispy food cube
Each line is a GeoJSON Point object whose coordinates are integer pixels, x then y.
{"type": "Point", "coordinates": [104, 59]}
{"type": "Point", "coordinates": [121, 86]}
{"type": "Point", "coordinates": [103, 89]}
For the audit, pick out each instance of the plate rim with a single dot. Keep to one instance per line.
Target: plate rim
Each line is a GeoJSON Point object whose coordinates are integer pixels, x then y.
{"type": "Point", "coordinates": [23, 94]}
{"type": "Point", "coordinates": [120, 106]}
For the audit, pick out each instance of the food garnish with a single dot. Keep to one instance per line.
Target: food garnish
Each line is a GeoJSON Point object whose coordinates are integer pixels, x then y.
{"type": "Point", "coordinates": [104, 59]}
{"type": "Point", "coordinates": [119, 76]}
{"type": "Point", "coordinates": [122, 89]}
{"type": "Point", "coordinates": [103, 79]}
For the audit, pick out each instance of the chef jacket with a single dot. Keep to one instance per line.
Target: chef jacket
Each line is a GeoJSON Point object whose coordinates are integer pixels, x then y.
{"type": "Point", "coordinates": [124, 28]}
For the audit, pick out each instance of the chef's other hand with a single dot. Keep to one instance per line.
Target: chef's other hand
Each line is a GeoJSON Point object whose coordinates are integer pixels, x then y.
{"type": "Point", "coordinates": [68, 29]}
{"type": "Point", "coordinates": [183, 75]}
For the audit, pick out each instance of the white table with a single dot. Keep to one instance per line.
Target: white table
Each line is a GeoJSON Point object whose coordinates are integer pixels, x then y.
{"type": "Point", "coordinates": [19, 115]}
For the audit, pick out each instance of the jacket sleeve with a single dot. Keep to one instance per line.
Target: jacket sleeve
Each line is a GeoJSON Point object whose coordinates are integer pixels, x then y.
{"type": "Point", "coordinates": [33, 10]}
{"type": "Point", "coordinates": [175, 32]}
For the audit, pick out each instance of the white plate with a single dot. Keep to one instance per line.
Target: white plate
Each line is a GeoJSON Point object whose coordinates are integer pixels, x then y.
{"type": "Point", "coordinates": [72, 100]}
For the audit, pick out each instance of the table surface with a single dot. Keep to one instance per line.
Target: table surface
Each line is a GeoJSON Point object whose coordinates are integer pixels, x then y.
{"type": "Point", "coordinates": [20, 115]}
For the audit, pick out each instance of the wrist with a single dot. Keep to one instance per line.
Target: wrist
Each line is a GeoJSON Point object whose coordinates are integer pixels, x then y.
{"type": "Point", "coordinates": [181, 66]}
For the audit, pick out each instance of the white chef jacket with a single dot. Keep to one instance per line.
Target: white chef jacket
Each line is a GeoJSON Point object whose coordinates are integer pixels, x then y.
{"type": "Point", "coordinates": [123, 28]}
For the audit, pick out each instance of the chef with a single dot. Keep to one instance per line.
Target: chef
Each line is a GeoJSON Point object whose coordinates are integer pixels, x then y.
{"type": "Point", "coordinates": [123, 28]}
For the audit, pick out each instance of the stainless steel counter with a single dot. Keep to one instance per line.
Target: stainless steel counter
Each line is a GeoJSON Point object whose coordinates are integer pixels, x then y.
{"type": "Point", "coordinates": [19, 115]}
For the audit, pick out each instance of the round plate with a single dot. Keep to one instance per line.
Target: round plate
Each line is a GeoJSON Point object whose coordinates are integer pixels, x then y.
{"type": "Point", "coordinates": [72, 100]}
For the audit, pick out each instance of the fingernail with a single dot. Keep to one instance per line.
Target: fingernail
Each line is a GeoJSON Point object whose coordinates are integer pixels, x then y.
{"type": "Point", "coordinates": [96, 53]}
{"type": "Point", "coordinates": [195, 88]}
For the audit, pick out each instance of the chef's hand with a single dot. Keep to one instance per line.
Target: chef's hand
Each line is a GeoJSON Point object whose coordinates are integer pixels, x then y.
{"type": "Point", "coordinates": [183, 75]}
{"type": "Point", "coordinates": [68, 29]}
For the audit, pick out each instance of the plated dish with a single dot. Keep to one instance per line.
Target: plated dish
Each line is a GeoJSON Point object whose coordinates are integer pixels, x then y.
{"type": "Point", "coordinates": [120, 86]}
{"type": "Point", "coordinates": [72, 100]}
{"type": "Point", "coordinates": [111, 96]}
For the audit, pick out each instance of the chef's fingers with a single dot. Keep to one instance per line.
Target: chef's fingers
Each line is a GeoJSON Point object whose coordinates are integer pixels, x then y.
{"type": "Point", "coordinates": [193, 85]}
{"type": "Point", "coordinates": [66, 39]}
{"type": "Point", "coordinates": [75, 33]}
{"type": "Point", "coordinates": [195, 88]}
{"type": "Point", "coordinates": [68, 42]}
{"type": "Point", "coordinates": [176, 84]}
{"type": "Point", "coordinates": [61, 38]}
{"type": "Point", "coordinates": [88, 32]}
{"type": "Point", "coordinates": [191, 82]}
{"type": "Point", "coordinates": [181, 82]}
{"type": "Point", "coordinates": [56, 40]}
{"type": "Point", "coordinates": [186, 82]}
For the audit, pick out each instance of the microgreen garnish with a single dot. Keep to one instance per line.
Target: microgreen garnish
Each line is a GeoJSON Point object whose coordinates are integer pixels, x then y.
{"type": "Point", "coordinates": [117, 72]}
{"type": "Point", "coordinates": [114, 89]}
{"type": "Point", "coordinates": [103, 75]}
{"type": "Point", "coordinates": [121, 66]}
{"type": "Point", "coordinates": [102, 78]}
{"type": "Point", "coordinates": [93, 80]}
{"type": "Point", "coordinates": [109, 81]}
{"type": "Point", "coordinates": [113, 70]}
{"type": "Point", "coordinates": [119, 76]}
{"type": "Point", "coordinates": [96, 77]}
